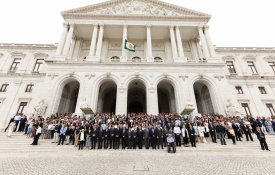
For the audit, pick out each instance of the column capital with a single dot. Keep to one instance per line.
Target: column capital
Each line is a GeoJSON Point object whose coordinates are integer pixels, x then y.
{"type": "Point", "coordinates": [200, 27]}
{"type": "Point", "coordinates": [148, 26]}
{"type": "Point", "coordinates": [65, 25]}
{"type": "Point", "coordinates": [171, 27]}
{"type": "Point", "coordinates": [125, 26]}
{"type": "Point", "coordinates": [206, 27]}
{"type": "Point", "coordinates": [101, 25]}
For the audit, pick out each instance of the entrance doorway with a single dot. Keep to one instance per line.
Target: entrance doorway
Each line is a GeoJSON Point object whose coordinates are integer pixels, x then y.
{"type": "Point", "coordinates": [136, 100]}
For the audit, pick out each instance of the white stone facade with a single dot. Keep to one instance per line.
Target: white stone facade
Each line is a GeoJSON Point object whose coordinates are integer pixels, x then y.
{"type": "Point", "coordinates": [175, 65]}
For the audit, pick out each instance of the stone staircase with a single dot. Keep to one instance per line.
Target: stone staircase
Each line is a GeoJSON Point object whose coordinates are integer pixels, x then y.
{"type": "Point", "coordinates": [19, 143]}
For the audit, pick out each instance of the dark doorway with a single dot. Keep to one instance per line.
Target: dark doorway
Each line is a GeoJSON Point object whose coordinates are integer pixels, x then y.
{"type": "Point", "coordinates": [136, 97]}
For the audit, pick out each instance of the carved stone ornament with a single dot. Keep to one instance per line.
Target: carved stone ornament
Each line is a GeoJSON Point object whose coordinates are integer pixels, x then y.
{"type": "Point", "coordinates": [53, 75]}
{"type": "Point", "coordinates": [232, 110]}
{"type": "Point", "coordinates": [90, 76]}
{"type": "Point", "coordinates": [134, 7]}
{"type": "Point", "coordinates": [84, 104]}
{"type": "Point", "coordinates": [183, 77]}
{"type": "Point", "coordinates": [40, 108]}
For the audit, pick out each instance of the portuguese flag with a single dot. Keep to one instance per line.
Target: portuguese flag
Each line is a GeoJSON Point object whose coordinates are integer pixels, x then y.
{"type": "Point", "coordinates": [129, 46]}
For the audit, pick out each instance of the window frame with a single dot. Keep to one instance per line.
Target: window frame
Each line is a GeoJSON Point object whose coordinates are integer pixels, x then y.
{"type": "Point", "coordinates": [158, 60]}
{"type": "Point", "coordinates": [270, 108]}
{"type": "Point", "coordinates": [136, 59]}
{"type": "Point", "coordinates": [272, 65]}
{"type": "Point", "coordinates": [262, 90]}
{"type": "Point", "coordinates": [14, 66]}
{"type": "Point", "coordinates": [246, 108]}
{"type": "Point", "coordinates": [239, 90]}
{"type": "Point", "coordinates": [21, 107]}
{"type": "Point", "coordinates": [4, 87]}
{"type": "Point", "coordinates": [29, 87]}
{"type": "Point", "coordinates": [37, 63]}
{"type": "Point", "coordinates": [252, 67]}
{"type": "Point", "coordinates": [115, 59]}
{"type": "Point", "coordinates": [231, 67]}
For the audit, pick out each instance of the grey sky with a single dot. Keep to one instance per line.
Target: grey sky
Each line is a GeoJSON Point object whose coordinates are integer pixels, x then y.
{"type": "Point", "coordinates": [240, 23]}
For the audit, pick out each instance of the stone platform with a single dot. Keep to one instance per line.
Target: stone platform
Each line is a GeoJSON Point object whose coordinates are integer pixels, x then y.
{"type": "Point", "coordinates": [18, 157]}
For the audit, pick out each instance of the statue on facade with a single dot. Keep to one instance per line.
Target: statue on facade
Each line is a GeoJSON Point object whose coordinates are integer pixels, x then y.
{"type": "Point", "coordinates": [231, 109]}
{"type": "Point", "coordinates": [40, 109]}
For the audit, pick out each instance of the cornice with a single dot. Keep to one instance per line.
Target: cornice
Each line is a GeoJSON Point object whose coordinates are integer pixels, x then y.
{"type": "Point", "coordinates": [22, 75]}
{"type": "Point", "coordinates": [27, 46]}
{"type": "Point", "coordinates": [246, 49]}
{"type": "Point", "coordinates": [135, 17]}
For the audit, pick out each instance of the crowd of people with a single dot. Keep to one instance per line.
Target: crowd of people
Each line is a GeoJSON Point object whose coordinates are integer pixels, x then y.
{"type": "Point", "coordinates": [139, 130]}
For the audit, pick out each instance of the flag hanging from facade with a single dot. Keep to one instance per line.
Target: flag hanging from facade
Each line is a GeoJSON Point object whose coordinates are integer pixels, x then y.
{"type": "Point", "coordinates": [130, 46]}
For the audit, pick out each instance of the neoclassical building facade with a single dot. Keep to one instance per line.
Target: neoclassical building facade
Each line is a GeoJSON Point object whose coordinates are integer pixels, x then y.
{"type": "Point", "coordinates": [175, 67]}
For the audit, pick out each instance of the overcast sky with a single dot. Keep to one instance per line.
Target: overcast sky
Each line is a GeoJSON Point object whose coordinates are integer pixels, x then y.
{"type": "Point", "coordinates": [234, 23]}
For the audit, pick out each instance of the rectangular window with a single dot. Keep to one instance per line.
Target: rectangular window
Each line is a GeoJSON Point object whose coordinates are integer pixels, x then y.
{"type": "Point", "coordinates": [38, 65]}
{"type": "Point", "coordinates": [272, 65]}
{"type": "Point", "coordinates": [15, 64]}
{"type": "Point", "coordinates": [271, 109]}
{"type": "Point", "coordinates": [21, 107]}
{"type": "Point", "coordinates": [29, 88]}
{"type": "Point", "coordinates": [262, 90]}
{"type": "Point", "coordinates": [4, 87]}
{"type": "Point", "coordinates": [246, 109]}
{"type": "Point", "coordinates": [239, 90]}
{"type": "Point", "coordinates": [252, 67]}
{"type": "Point", "coordinates": [230, 67]}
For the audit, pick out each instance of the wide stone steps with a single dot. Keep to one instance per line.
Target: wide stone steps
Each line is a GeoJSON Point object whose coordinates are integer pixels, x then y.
{"type": "Point", "coordinates": [19, 143]}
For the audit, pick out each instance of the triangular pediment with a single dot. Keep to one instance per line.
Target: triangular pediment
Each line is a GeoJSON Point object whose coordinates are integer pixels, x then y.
{"type": "Point", "coordinates": [130, 8]}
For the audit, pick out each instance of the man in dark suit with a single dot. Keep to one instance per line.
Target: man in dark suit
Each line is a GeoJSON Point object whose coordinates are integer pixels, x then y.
{"type": "Point", "coordinates": [124, 136]}
{"type": "Point", "coordinates": [159, 134]}
{"type": "Point", "coordinates": [212, 130]}
{"type": "Point", "coordinates": [146, 137]}
{"type": "Point", "coordinates": [153, 137]}
{"type": "Point", "coordinates": [261, 138]}
{"type": "Point", "coordinates": [111, 136]}
{"type": "Point", "coordinates": [191, 133]}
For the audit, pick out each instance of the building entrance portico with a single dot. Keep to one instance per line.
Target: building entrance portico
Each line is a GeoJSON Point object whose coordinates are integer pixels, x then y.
{"type": "Point", "coordinates": [136, 101]}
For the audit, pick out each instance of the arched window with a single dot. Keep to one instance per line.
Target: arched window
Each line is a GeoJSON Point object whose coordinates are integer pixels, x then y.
{"type": "Point", "coordinates": [158, 60]}
{"type": "Point", "coordinates": [136, 59]}
{"type": "Point", "coordinates": [115, 59]}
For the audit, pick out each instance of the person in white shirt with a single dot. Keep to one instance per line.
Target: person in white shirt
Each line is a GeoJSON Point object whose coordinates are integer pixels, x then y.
{"type": "Point", "coordinates": [177, 133]}
{"type": "Point", "coordinates": [37, 135]}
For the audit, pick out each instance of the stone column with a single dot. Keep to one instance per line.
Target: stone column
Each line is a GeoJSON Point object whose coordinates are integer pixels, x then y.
{"type": "Point", "coordinates": [152, 101]}
{"type": "Point", "coordinates": [68, 41]}
{"type": "Point", "coordinates": [124, 51]}
{"type": "Point", "coordinates": [149, 45]}
{"type": "Point", "coordinates": [121, 101]}
{"type": "Point", "coordinates": [203, 42]}
{"type": "Point", "coordinates": [209, 42]}
{"type": "Point", "coordinates": [93, 43]}
{"type": "Point", "coordinates": [173, 43]}
{"type": "Point", "coordinates": [62, 40]}
{"type": "Point", "coordinates": [180, 46]}
{"type": "Point", "coordinates": [99, 42]}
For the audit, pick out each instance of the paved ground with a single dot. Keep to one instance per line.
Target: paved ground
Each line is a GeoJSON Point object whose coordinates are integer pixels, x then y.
{"type": "Point", "coordinates": [18, 157]}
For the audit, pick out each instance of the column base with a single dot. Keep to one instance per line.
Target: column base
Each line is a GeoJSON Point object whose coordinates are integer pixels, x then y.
{"type": "Point", "coordinates": [57, 58]}
{"type": "Point", "coordinates": [180, 60]}
{"type": "Point", "coordinates": [93, 59]}
{"type": "Point", "coordinates": [123, 59]}
{"type": "Point", "coordinates": [150, 59]}
{"type": "Point", "coordinates": [213, 60]}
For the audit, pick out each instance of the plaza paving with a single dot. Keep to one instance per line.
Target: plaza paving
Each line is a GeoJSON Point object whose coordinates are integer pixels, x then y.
{"type": "Point", "coordinates": [18, 157]}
